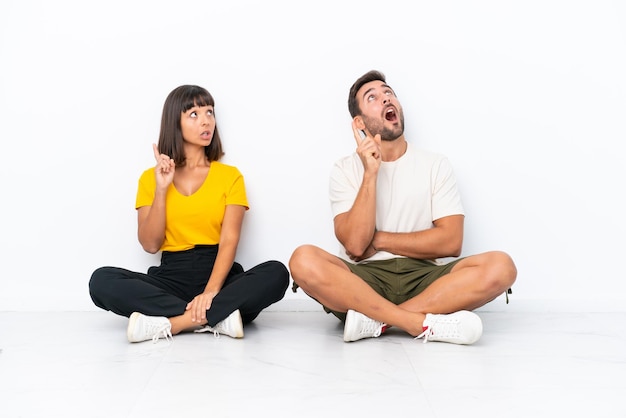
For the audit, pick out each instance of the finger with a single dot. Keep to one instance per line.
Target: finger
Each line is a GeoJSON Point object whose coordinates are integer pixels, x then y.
{"type": "Point", "coordinates": [377, 139]}
{"type": "Point", "coordinates": [203, 311]}
{"type": "Point", "coordinates": [157, 154]}
{"type": "Point", "coordinates": [192, 312]}
{"type": "Point", "coordinates": [207, 305]}
{"type": "Point", "coordinates": [200, 311]}
{"type": "Point", "coordinates": [196, 310]}
{"type": "Point", "coordinates": [357, 133]}
{"type": "Point", "coordinates": [195, 317]}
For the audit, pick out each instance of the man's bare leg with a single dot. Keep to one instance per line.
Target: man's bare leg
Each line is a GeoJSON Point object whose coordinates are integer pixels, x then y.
{"type": "Point", "coordinates": [473, 282]}
{"type": "Point", "coordinates": [328, 280]}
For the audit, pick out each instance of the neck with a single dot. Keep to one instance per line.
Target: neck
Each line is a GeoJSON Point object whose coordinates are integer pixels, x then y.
{"type": "Point", "coordinates": [196, 158]}
{"type": "Point", "coordinates": [392, 150]}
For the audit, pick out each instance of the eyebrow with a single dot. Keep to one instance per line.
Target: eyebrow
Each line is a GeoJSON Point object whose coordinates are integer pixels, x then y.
{"type": "Point", "coordinates": [384, 85]}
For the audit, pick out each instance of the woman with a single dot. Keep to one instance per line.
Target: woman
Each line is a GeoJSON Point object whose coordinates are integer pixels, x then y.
{"type": "Point", "coordinates": [190, 207]}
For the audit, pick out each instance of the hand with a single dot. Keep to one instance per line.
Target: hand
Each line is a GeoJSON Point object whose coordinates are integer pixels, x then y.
{"type": "Point", "coordinates": [368, 149]}
{"type": "Point", "coordinates": [164, 169]}
{"type": "Point", "coordinates": [199, 305]}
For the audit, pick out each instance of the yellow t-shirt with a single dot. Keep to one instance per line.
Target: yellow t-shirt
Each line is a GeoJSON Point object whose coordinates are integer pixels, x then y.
{"type": "Point", "coordinates": [196, 219]}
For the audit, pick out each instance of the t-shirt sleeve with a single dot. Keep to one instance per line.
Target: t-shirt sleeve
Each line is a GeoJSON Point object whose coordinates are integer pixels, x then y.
{"type": "Point", "coordinates": [343, 186]}
{"type": "Point", "coordinates": [237, 193]}
{"type": "Point", "coordinates": [145, 189]}
{"type": "Point", "coordinates": [446, 197]}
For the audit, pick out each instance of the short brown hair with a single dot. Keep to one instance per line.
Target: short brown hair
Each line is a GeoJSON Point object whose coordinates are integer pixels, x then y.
{"type": "Point", "coordinates": [353, 103]}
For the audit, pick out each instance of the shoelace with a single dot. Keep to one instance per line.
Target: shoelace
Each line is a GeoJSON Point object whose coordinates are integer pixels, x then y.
{"type": "Point", "coordinates": [427, 333]}
{"type": "Point", "coordinates": [164, 331]}
{"type": "Point", "coordinates": [444, 328]}
{"type": "Point", "coordinates": [207, 328]}
{"type": "Point", "coordinates": [371, 327]}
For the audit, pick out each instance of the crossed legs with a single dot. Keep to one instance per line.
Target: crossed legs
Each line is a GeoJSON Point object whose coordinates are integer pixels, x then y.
{"type": "Point", "coordinates": [472, 282]}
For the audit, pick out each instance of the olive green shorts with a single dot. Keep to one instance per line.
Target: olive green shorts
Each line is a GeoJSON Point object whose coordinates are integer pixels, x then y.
{"type": "Point", "coordinates": [397, 279]}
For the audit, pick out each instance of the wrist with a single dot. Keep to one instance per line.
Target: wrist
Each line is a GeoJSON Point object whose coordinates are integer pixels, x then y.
{"type": "Point", "coordinates": [210, 292]}
{"type": "Point", "coordinates": [378, 241]}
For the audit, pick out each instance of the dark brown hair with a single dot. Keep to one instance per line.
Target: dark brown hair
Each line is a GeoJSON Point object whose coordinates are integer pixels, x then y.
{"type": "Point", "coordinates": [353, 103]}
{"type": "Point", "coordinates": [180, 100]}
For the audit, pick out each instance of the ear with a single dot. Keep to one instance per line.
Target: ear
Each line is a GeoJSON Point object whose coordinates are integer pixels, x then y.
{"type": "Point", "coordinates": [358, 120]}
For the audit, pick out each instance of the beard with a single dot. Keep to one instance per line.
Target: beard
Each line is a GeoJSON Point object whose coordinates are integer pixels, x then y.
{"type": "Point", "coordinates": [375, 126]}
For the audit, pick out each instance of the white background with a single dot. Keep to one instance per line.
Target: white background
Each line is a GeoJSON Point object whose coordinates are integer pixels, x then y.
{"type": "Point", "coordinates": [526, 98]}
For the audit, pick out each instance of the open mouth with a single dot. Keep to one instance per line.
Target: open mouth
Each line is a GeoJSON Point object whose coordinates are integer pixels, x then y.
{"type": "Point", "coordinates": [390, 114]}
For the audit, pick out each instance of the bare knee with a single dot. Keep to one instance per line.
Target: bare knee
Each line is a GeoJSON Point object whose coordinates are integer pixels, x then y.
{"type": "Point", "coordinates": [302, 262]}
{"type": "Point", "coordinates": [312, 267]}
{"type": "Point", "coordinates": [299, 257]}
{"type": "Point", "coordinates": [501, 271]}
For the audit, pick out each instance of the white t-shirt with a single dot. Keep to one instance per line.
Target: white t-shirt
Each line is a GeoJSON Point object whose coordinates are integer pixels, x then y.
{"type": "Point", "coordinates": [411, 192]}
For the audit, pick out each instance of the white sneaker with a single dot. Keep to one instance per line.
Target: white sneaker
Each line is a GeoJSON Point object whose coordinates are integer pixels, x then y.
{"type": "Point", "coordinates": [359, 326]}
{"type": "Point", "coordinates": [142, 327]}
{"type": "Point", "coordinates": [462, 327]}
{"type": "Point", "coordinates": [231, 326]}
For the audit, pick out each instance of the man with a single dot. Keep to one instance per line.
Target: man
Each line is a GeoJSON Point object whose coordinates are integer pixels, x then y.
{"type": "Point", "coordinates": [397, 211]}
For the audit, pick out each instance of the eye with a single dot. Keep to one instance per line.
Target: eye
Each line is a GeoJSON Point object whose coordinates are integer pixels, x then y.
{"type": "Point", "coordinates": [193, 114]}
{"type": "Point", "coordinates": [370, 97]}
{"type": "Point", "coordinates": [209, 112]}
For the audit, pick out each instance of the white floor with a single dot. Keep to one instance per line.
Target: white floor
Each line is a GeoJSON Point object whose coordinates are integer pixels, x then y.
{"type": "Point", "coordinates": [295, 364]}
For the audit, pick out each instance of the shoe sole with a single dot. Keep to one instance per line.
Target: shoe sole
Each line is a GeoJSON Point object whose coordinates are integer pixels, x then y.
{"type": "Point", "coordinates": [239, 333]}
{"type": "Point", "coordinates": [348, 326]}
{"type": "Point", "coordinates": [131, 326]}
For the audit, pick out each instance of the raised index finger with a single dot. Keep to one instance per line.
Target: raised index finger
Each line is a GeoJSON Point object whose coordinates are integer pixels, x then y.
{"type": "Point", "coordinates": [157, 154]}
{"type": "Point", "coordinates": [357, 133]}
